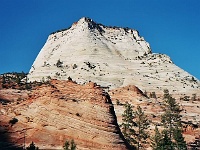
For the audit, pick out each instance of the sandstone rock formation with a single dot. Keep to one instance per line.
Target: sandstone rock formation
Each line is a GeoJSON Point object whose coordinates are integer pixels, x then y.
{"type": "Point", "coordinates": [60, 111]}
{"type": "Point", "coordinates": [120, 62]}
{"type": "Point", "coordinates": [53, 112]}
{"type": "Point", "coordinates": [152, 108]}
{"type": "Point", "coordinates": [110, 56]}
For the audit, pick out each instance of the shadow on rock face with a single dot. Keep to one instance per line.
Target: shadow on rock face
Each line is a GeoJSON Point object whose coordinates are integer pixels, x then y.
{"type": "Point", "coordinates": [4, 101]}
{"type": "Point", "coordinates": [5, 143]}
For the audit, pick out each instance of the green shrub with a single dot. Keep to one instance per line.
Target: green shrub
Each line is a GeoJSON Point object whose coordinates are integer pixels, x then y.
{"type": "Point", "coordinates": [32, 147]}
{"type": "Point", "coordinates": [13, 121]}
{"type": "Point", "coordinates": [59, 63]}
{"type": "Point", "coordinates": [69, 145]}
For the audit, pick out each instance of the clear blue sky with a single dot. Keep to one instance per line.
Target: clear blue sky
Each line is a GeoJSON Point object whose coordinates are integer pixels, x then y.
{"type": "Point", "coordinates": [171, 27]}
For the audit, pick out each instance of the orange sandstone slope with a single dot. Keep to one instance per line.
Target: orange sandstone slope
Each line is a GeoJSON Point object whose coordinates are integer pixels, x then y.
{"type": "Point", "coordinates": [64, 110]}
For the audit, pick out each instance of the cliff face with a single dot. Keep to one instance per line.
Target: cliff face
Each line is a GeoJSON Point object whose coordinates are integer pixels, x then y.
{"type": "Point", "coordinates": [109, 56]}
{"type": "Point", "coordinates": [60, 111]}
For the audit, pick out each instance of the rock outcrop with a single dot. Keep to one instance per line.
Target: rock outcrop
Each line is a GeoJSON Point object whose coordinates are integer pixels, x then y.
{"type": "Point", "coordinates": [51, 113]}
{"type": "Point", "coordinates": [60, 111]}
{"type": "Point", "coordinates": [152, 107]}
{"type": "Point", "coordinates": [110, 56]}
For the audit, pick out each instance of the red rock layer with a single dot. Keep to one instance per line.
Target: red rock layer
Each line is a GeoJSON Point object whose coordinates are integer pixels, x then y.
{"type": "Point", "coordinates": [64, 110]}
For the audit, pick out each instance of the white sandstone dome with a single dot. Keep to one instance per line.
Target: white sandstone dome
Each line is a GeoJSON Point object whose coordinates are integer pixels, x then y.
{"type": "Point", "coordinates": [109, 56]}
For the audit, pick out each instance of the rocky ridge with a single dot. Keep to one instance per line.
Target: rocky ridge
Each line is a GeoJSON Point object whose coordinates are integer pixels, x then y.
{"type": "Point", "coordinates": [63, 110]}
{"type": "Point", "coordinates": [110, 56]}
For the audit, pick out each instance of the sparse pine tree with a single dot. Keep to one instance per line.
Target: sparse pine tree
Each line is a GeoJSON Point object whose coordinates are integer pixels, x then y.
{"type": "Point", "coordinates": [73, 145]}
{"type": "Point", "coordinates": [166, 143]}
{"type": "Point", "coordinates": [69, 145]}
{"type": "Point", "coordinates": [32, 147]}
{"type": "Point", "coordinates": [150, 95]}
{"type": "Point", "coordinates": [171, 117]}
{"type": "Point", "coordinates": [18, 80]}
{"type": "Point", "coordinates": [156, 140]}
{"type": "Point", "coordinates": [166, 94]}
{"type": "Point", "coordinates": [142, 124]}
{"type": "Point", "coordinates": [3, 79]}
{"type": "Point", "coordinates": [134, 126]}
{"type": "Point", "coordinates": [153, 95]}
{"type": "Point", "coordinates": [118, 102]}
{"type": "Point", "coordinates": [180, 143]}
{"type": "Point", "coordinates": [145, 93]}
{"type": "Point", "coordinates": [66, 145]}
{"type": "Point", "coordinates": [69, 78]}
{"type": "Point", "coordinates": [59, 63]}
{"type": "Point", "coordinates": [128, 123]}
{"type": "Point", "coordinates": [194, 96]}
{"type": "Point", "coordinates": [23, 75]}
{"type": "Point", "coordinates": [171, 120]}
{"type": "Point", "coordinates": [161, 141]}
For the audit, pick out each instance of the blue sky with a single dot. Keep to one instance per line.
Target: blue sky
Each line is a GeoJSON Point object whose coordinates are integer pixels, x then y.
{"type": "Point", "coordinates": [171, 27]}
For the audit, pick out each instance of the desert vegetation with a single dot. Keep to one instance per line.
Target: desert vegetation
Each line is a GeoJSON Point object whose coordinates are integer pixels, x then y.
{"type": "Point", "coordinates": [166, 137]}
{"type": "Point", "coordinates": [32, 146]}
{"type": "Point", "coordinates": [14, 80]}
{"type": "Point", "coordinates": [171, 135]}
{"type": "Point", "coordinates": [59, 63]}
{"type": "Point", "coordinates": [136, 126]}
{"type": "Point", "coordinates": [18, 81]}
{"type": "Point", "coordinates": [69, 145]}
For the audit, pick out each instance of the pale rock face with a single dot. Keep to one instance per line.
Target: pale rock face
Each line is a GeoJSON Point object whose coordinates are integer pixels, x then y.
{"type": "Point", "coordinates": [110, 56]}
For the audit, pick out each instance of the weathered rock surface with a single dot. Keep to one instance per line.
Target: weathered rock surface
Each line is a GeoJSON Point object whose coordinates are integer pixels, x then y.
{"type": "Point", "coordinates": [152, 108]}
{"type": "Point", "coordinates": [120, 61]}
{"type": "Point", "coordinates": [60, 111]}
{"type": "Point", "coordinates": [109, 56]}
{"type": "Point", "coordinates": [63, 110]}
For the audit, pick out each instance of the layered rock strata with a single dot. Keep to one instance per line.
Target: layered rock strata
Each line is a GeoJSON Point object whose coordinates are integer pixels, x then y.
{"type": "Point", "coordinates": [110, 56]}
{"type": "Point", "coordinates": [64, 110]}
